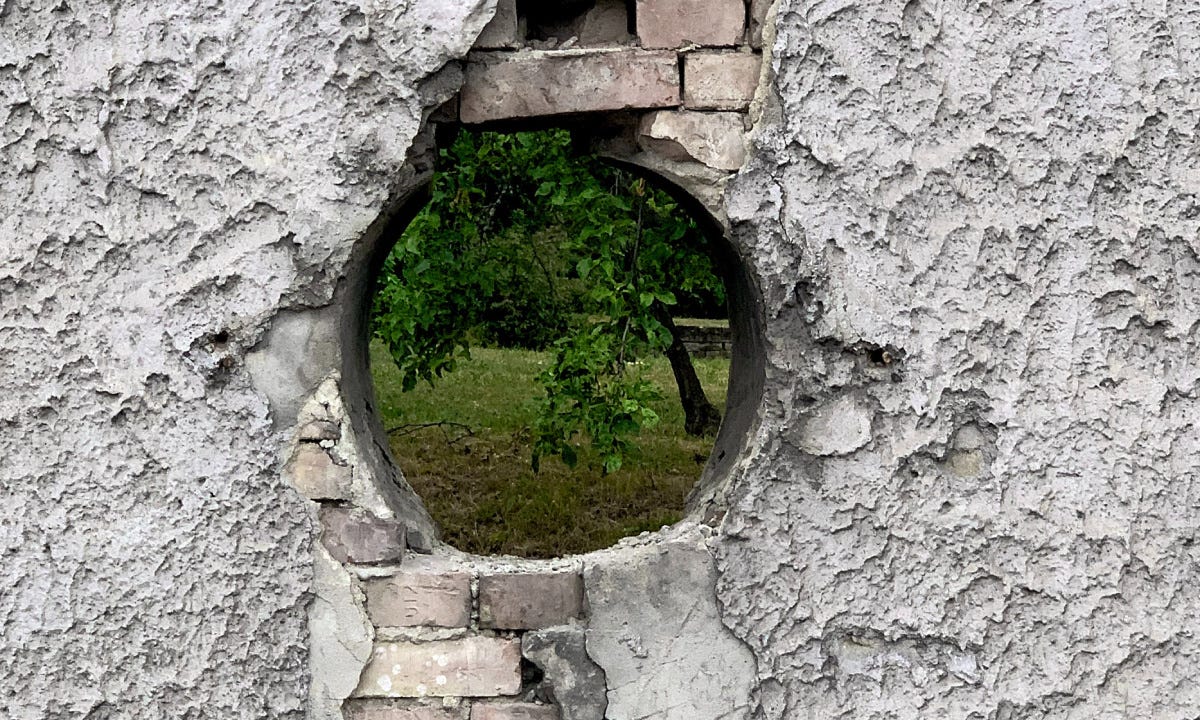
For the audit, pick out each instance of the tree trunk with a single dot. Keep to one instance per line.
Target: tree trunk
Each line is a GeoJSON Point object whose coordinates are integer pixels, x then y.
{"type": "Point", "coordinates": [701, 417]}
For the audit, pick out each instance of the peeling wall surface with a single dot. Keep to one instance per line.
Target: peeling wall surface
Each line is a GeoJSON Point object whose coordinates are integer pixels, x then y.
{"type": "Point", "coordinates": [973, 492]}
{"type": "Point", "coordinates": [967, 490]}
{"type": "Point", "coordinates": [173, 177]}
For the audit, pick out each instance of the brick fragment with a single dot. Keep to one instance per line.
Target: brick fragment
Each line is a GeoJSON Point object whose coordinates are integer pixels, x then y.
{"type": "Point", "coordinates": [715, 139]}
{"type": "Point", "coordinates": [675, 23]}
{"type": "Point", "coordinates": [412, 599]}
{"type": "Point", "coordinates": [504, 86]}
{"type": "Point", "coordinates": [356, 536]}
{"type": "Point", "coordinates": [513, 711]}
{"type": "Point", "coordinates": [503, 30]}
{"type": "Point", "coordinates": [471, 667]}
{"type": "Point", "coordinates": [720, 80]}
{"type": "Point", "coordinates": [390, 710]}
{"type": "Point", "coordinates": [606, 23]}
{"type": "Point", "coordinates": [516, 601]}
{"type": "Point", "coordinates": [758, 18]}
{"type": "Point", "coordinates": [315, 475]}
{"type": "Point", "coordinates": [317, 430]}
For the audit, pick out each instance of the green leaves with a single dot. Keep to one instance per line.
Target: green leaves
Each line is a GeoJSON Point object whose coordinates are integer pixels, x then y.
{"type": "Point", "coordinates": [589, 392]}
{"type": "Point", "coordinates": [527, 243]}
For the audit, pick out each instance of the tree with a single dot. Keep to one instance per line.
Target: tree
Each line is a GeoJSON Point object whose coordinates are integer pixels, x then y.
{"type": "Point", "coordinates": [527, 242]}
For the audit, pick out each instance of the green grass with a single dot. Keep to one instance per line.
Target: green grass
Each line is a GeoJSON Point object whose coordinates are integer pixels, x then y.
{"type": "Point", "coordinates": [480, 488]}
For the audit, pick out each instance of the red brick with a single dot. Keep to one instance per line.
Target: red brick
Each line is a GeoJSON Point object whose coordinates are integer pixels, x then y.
{"type": "Point", "coordinates": [720, 80]}
{"type": "Point", "coordinates": [356, 536]}
{"type": "Point", "coordinates": [420, 599]}
{"type": "Point", "coordinates": [315, 475]}
{"type": "Point", "coordinates": [513, 711]}
{"type": "Point", "coordinates": [471, 666]}
{"type": "Point", "coordinates": [516, 601]}
{"type": "Point", "coordinates": [390, 710]}
{"type": "Point", "coordinates": [676, 23]}
{"type": "Point", "coordinates": [503, 86]}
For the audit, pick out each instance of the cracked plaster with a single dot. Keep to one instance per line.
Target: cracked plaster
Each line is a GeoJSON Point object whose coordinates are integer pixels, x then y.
{"type": "Point", "coordinates": [177, 176]}
{"type": "Point", "coordinates": [1002, 194]}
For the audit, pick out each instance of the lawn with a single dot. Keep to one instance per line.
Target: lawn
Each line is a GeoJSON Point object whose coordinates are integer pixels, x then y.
{"type": "Point", "coordinates": [475, 475]}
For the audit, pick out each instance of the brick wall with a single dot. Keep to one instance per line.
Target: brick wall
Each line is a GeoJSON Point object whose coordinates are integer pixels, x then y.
{"type": "Point", "coordinates": [706, 341]}
{"type": "Point", "coordinates": [455, 637]}
{"type": "Point", "coordinates": [686, 76]}
{"type": "Point", "coordinates": [491, 642]}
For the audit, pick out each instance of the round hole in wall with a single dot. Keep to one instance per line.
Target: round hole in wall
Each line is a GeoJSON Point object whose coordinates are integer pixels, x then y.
{"type": "Point", "coordinates": [538, 325]}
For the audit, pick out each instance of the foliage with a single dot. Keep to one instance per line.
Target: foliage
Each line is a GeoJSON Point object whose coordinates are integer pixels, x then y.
{"type": "Point", "coordinates": [583, 392]}
{"type": "Point", "coordinates": [480, 487]}
{"type": "Point", "coordinates": [527, 243]}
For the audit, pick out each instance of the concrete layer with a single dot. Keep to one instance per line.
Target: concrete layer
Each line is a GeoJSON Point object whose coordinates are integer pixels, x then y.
{"type": "Point", "coordinates": [972, 493]}
{"type": "Point", "coordinates": [656, 631]}
{"type": "Point", "coordinates": [176, 177]}
{"type": "Point", "coordinates": [969, 488]}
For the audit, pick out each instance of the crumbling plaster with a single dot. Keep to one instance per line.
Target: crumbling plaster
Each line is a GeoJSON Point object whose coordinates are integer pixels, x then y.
{"type": "Point", "coordinates": [177, 177]}
{"type": "Point", "coordinates": [968, 488]}
{"type": "Point", "coordinates": [972, 492]}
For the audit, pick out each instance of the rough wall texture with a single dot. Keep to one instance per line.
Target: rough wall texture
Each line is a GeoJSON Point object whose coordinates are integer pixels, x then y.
{"type": "Point", "coordinates": [173, 176]}
{"type": "Point", "coordinates": [969, 491]}
{"type": "Point", "coordinates": [973, 492]}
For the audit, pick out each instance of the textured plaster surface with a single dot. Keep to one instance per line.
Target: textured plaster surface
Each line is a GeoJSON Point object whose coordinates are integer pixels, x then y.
{"type": "Point", "coordinates": [174, 176]}
{"type": "Point", "coordinates": [969, 492]}
{"type": "Point", "coordinates": [655, 630]}
{"type": "Point", "coordinates": [973, 492]}
{"type": "Point", "coordinates": [340, 637]}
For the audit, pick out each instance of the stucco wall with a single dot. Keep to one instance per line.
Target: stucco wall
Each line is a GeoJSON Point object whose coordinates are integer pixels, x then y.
{"type": "Point", "coordinates": [173, 176]}
{"type": "Point", "coordinates": [975, 232]}
{"type": "Point", "coordinates": [974, 491]}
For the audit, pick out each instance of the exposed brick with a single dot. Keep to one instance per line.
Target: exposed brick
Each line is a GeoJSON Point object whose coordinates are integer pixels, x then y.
{"type": "Point", "coordinates": [503, 30]}
{"type": "Point", "coordinates": [390, 710]}
{"type": "Point", "coordinates": [720, 80]}
{"type": "Point", "coordinates": [713, 138]}
{"type": "Point", "coordinates": [470, 666]}
{"type": "Point", "coordinates": [502, 86]}
{"type": "Point", "coordinates": [413, 599]}
{"type": "Point", "coordinates": [317, 430]}
{"type": "Point", "coordinates": [315, 475]}
{"type": "Point", "coordinates": [675, 23]}
{"type": "Point", "coordinates": [606, 23]}
{"type": "Point", "coordinates": [758, 18]}
{"type": "Point", "coordinates": [356, 536]}
{"type": "Point", "coordinates": [513, 711]}
{"type": "Point", "coordinates": [515, 601]}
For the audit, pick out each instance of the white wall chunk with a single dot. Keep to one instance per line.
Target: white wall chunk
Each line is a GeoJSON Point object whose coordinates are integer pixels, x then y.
{"type": "Point", "coordinates": [713, 139]}
{"type": "Point", "coordinates": [656, 631]}
{"type": "Point", "coordinates": [971, 235]}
